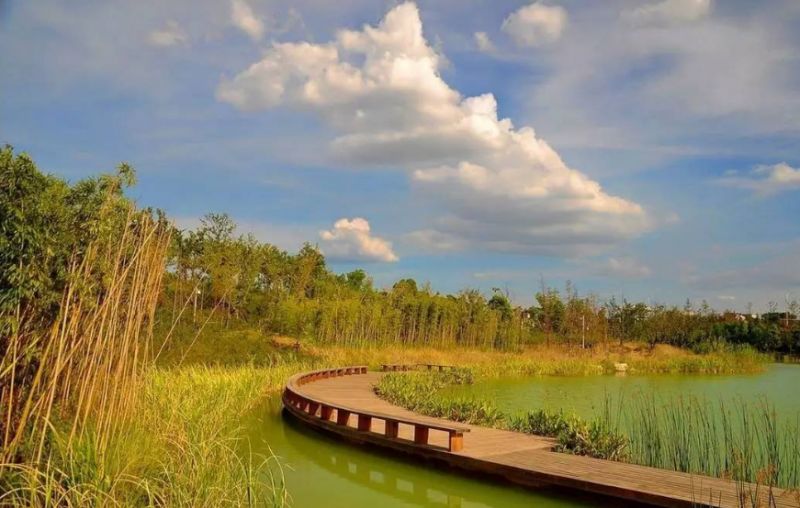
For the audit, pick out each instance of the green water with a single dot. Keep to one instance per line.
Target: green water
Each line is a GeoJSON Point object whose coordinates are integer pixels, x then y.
{"type": "Point", "coordinates": [586, 396]}
{"type": "Point", "coordinates": [324, 472]}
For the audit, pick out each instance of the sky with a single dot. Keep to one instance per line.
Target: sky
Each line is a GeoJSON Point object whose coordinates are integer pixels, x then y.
{"type": "Point", "coordinates": [647, 150]}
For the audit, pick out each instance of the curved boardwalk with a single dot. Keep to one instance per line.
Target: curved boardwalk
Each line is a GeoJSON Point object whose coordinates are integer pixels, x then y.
{"type": "Point", "coordinates": [342, 402]}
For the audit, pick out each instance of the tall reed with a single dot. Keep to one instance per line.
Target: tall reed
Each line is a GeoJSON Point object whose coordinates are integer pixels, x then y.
{"type": "Point", "coordinates": [70, 386]}
{"type": "Point", "coordinates": [734, 439]}
{"type": "Point", "coordinates": [88, 364]}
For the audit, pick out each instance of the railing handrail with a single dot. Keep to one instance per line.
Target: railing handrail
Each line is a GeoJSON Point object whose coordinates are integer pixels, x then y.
{"type": "Point", "coordinates": [293, 386]}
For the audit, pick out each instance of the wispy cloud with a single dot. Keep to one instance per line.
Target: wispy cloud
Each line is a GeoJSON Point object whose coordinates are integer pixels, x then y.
{"type": "Point", "coordinates": [245, 19]}
{"type": "Point", "coordinates": [765, 180]}
{"type": "Point", "coordinates": [483, 42]}
{"type": "Point", "coordinates": [626, 267]}
{"type": "Point", "coordinates": [170, 35]}
{"type": "Point", "coordinates": [536, 24]}
{"type": "Point", "coordinates": [668, 11]}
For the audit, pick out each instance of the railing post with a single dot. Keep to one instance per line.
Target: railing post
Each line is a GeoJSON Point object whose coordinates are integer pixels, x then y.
{"type": "Point", "coordinates": [312, 408]}
{"type": "Point", "coordinates": [364, 423]}
{"type": "Point", "coordinates": [326, 412]}
{"type": "Point", "coordinates": [342, 416]}
{"type": "Point", "coordinates": [420, 434]}
{"type": "Point", "coordinates": [456, 441]}
{"type": "Point", "coordinates": [392, 428]}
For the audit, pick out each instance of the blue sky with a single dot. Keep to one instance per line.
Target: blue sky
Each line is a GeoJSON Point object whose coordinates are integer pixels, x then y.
{"type": "Point", "coordinates": [639, 148]}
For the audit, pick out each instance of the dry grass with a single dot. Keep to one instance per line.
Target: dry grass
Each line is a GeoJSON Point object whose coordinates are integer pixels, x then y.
{"type": "Point", "coordinates": [543, 360]}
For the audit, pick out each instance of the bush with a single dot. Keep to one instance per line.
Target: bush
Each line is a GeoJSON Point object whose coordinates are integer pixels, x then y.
{"type": "Point", "coordinates": [594, 439]}
{"type": "Point", "coordinates": [540, 422]}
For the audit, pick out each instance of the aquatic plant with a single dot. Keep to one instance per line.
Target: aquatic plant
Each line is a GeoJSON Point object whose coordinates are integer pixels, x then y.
{"type": "Point", "coordinates": [419, 392]}
{"type": "Point", "coordinates": [734, 439]}
{"type": "Point", "coordinates": [540, 422]}
{"type": "Point", "coordinates": [87, 421]}
{"type": "Point", "coordinates": [592, 438]}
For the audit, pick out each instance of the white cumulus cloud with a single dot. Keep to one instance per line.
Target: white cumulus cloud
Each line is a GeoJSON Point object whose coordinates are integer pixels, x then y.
{"type": "Point", "coordinates": [668, 11]}
{"type": "Point", "coordinates": [501, 188]}
{"type": "Point", "coordinates": [171, 35]}
{"type": "Point", "coordinates": [765, 180]}
{"type": "Point", "coordinates": [352, 240]}
{"type": "Point", "coordinates": [244, 18]}
{"type": "Point", "coordinates": [536, 24]}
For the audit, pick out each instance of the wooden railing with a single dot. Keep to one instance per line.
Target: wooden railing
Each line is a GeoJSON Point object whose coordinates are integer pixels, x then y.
{"type": "Point", "coordinates": [311, 407]}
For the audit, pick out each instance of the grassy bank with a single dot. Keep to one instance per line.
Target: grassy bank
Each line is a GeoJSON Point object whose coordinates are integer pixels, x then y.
{"type": "Point", "coordinates": [557, 360]}
{"type": "Point", "coordinates": [182, 448]}
{"type": "Point", "coordinates": [741, 441]}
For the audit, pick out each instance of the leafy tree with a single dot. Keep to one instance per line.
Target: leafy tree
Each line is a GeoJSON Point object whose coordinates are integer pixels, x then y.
{"type": "Point", "coordinates": [500, 303]}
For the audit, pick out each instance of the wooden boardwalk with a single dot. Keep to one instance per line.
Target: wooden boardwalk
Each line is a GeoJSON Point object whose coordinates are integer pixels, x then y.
{"type": "Point", "coordinates": [341, 404]}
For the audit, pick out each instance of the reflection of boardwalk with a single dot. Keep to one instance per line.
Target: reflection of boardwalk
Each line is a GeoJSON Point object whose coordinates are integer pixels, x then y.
{"type": "Point", "coordinates": [414, 491]}
{"type": "Point", "coordinates": [417, 489]}
{"type": "Point", "coordinates": [517, 457]}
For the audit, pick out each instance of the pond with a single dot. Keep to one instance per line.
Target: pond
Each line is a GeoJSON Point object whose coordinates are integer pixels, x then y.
{"type": "Point", "coordinates": [323, 472]}
{"type": "Point", "coordinates": [586, 396]}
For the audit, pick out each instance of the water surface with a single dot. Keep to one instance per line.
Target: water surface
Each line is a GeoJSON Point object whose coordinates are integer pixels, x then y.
{"type": "Point", "coordinates": [586, 396]}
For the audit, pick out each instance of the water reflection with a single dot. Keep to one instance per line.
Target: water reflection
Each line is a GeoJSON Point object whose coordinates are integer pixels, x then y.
{"type": "Point", "coordinates": [325, 472]}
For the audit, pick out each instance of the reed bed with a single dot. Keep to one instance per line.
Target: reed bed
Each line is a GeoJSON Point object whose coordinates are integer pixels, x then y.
{"type": "Point", "coordinates": [553, 360]}
{"type": "Point", "coordinates": [730, 439]}
{"type": "Point", "coordinates": [182, 449]}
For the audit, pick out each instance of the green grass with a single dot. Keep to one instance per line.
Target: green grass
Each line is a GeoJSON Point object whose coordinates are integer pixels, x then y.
{"type": "Point", "coordinates": [182, 448]}
{"type": "Point", "coordinates": [417, 391]}
{"type": "Point", "coordinates": [214, 343]}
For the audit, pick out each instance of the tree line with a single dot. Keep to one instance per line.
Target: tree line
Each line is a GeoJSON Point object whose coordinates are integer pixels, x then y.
{"type": "Point", "coordinates": [214, 273]}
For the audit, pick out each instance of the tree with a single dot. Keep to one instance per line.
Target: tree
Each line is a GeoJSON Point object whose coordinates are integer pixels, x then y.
{"type": "Point", "coordinates": [357, 280]}
{"type": "Point", "coordinates": [500, 303]}
{"type": "Point", "coordinates": [551, 311]}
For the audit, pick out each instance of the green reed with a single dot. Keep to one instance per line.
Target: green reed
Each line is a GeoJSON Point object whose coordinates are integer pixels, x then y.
{"type": "Point", "coordinates": [731, 439]}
